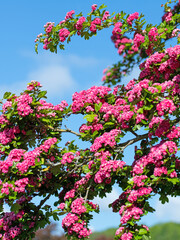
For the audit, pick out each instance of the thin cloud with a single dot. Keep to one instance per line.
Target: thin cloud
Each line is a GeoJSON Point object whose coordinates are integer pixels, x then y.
{"type": "Point", "coordinates": [168, 211]}
{"type": "Point", "coordinates": [46, 58]}
{"type": "Point", "coordinates": [104, 202]}
{"type": "Point", "coordinates": [56, 79]}
{"type": "Point", "coordinates": [15, 88]}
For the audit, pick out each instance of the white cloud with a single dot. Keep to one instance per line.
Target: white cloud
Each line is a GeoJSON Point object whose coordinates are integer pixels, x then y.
{"type": "Point", "coordinates": [56, 79]}
{"type": "Point", "coordinates": [16, 88]}
{"type": "Point", "coordinates": [69, 59]}
{"type": "Point", "coordinates": [168, 211]}
{"type": "Point", "coordinates": [6, 208]}
{"type": "Point", "coordinates": [82, 61]}
{"type": "Point", "coordinates": [104, 202]}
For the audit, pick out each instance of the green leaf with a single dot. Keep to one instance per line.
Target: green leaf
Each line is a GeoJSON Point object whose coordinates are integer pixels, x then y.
{"type": "Point", "coordinates": [85, 169]}
{"type": "Point", "coordinates": [42, 223]}
{"type": "Point", "coordinates": [90, 117]}
{"type": "Point", "coordinates": [36, 48]}
{"type": "Point", "coordinates": [61, 213]}
{"type": "Point", "coordinates": [7, 95]}
{"type": "Point", "coordinates": [108, 124]}
{"type": "Point", "coordinates": [102, 6]}
{"type": "Point", "coordinates": [98, 107]}
{"type": "Point", "coordinates": [145, 237]}
{"type": "Point", "coordinates": [15, 207]}
{"type": "Point", "coordinates": [142, 231]}
{"type": "Point", "coordinates": [173, 180]}
{"type": "Point", "coordinates": [42, 94]}
{"type": "Point", "coordinates": [55, 170]}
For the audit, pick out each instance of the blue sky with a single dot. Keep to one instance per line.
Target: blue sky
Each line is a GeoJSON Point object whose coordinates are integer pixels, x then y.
{"type": "Point", "coordinates": [79, 67]}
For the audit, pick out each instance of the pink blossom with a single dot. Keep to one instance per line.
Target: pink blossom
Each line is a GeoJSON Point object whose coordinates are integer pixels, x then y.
{"type": "Point", "coordinates": [131, 17]}
{"type": "Point", "coordinates": [126, 236]}
{"type": "Point", "coordinates": [153, 33]}
{"type": "Point", "coordinates": [94, 6]}
{"type": "Point", "coordinates": [63, 34]}
{"type": "Point", "coordinates": [69, 14]}
{"type": "Point", "coordinates": [79, 23]}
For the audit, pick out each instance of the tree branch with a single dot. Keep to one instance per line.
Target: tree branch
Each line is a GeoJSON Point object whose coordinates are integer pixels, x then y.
{"type": "Point", "coordinates": [122, 146]}
{"type": "Point", "coordinates": [64, 130]}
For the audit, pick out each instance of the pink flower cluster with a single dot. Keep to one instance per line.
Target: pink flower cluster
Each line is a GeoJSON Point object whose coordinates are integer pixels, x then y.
{"type": "Point", "coordinates": [31, 86]}
{"type": "Point", "coordinates": [135, 194]}
{"type": "Point", "coordinates": [6, 225]}
{"type": "Point", "coordinates": [135, 93]}
{"type": "Point", "coordinates": [19, 186]}
{"type": "Point", "coordinates": [69, 15]}
{"type": "Point", "coordinates": [153, 33]}
{"type": "Point", "coordinates": [173, 133]}
{"type": "Point", "coordinates": [8, 135]}
{"type": "Point", "coordinates": [105, 170]}
{"type": "Point", "coordinates": [126, 236]}
{"type": "Point", "coordinates": [165, 105]}
{"type": "Point", "coordinates": [67, 158]}
{"type": "Point", "coordinates": [94, 127]}
{"type": "Point", "coordinates": [138, 39]}
{"type": "Point", "coordinates": [28, 158]}
{"type": "Point", "coordinates": [48, 27]}
{"type": "Point", "coordinates": [155, 156]}
{"type": "Point", "coordinates": [117, 28]}
{"type": "Point", "coordinates": [108, 138]}
{"type": "Point", "coordinates": [158, 171]}
{"type": "Point", "coordinates": [82, 181]}
{"type": "Point", "coordinates": [23, 106]}
{"type": "Point", "coordinates": [94, 24]}
{"type": "Point", "coordinates": [167, 17]}
{"type": "Point", "coordinates": [78, 207]}
{"type": "Point", "coordinates": [51, 109]}
{"type": "Point", "coordinates": [138, 180]}
{"type": "Point", "coordinates": [63, 34]}
{"type": "Point", "coordinates": [128, 213]}
{"type": "Point", "coordinates": [105, 16]}
{"type": "Point", "coordinates": [94, 6]}
{"type": "Point", "coordinates": [93, 95]}
{"type": "Point", "coordinates": [6, 106]}
{"type": "Point", "coordinates": [159, 67]}
{"type": "Point", "coordinates": [79, 23]}
{"type": "Point", "coordinates": [70, 194]}
{"type": "Point", "coordinates": [74, 225]}
{"type": "Point", "coordinates": [131, 17]}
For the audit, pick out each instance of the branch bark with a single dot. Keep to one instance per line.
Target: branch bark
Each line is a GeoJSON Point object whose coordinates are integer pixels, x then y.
{"type": "Point", "coordinates": [122, 146]}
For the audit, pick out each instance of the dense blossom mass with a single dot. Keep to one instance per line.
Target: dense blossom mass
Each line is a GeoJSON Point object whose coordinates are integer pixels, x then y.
{"type": "Point", "coordinates": [144, 113]}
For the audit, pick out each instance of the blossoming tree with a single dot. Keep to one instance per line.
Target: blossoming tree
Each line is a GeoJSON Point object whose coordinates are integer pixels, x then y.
{"type": "Point", "coordinates": [146, 110]}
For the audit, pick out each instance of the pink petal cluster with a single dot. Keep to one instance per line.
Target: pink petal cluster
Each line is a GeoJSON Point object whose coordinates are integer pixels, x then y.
{"type": "Point", "coordinates": [93, 95]}
{"type": "Point", "coordinates": [63, 34]}
{"type": "Point", "coordinates": [69, 15]}
{"type": "Point", "coordinates": [78, 207]}
{"type": "Point", "coordinates": [79, 23]}
{"type": "Point", "coordinates": [23, 106]}
{"type": "Point", "coordinates": [131, 17]}
{"type": "Point", "coordinates": [108, 138]}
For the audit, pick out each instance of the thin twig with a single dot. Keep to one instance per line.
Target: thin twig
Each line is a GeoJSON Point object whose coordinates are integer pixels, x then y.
{"type": "Point", "coordinates": [65, 130]}
{"type": "Point", "coordinates": [87, 192]}
{"type": "Point", "coordinates": [122, 146]}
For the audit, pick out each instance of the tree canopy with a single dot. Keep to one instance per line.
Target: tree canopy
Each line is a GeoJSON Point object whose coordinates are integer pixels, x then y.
{"type": "Point", "coordinates": [145, 112]}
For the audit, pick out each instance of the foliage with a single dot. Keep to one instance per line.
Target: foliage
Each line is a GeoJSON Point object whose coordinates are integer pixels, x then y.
{"type": "Point", "coordinates": [33, 162]}
{"type": "Point", "coordinates": [165, 231]}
